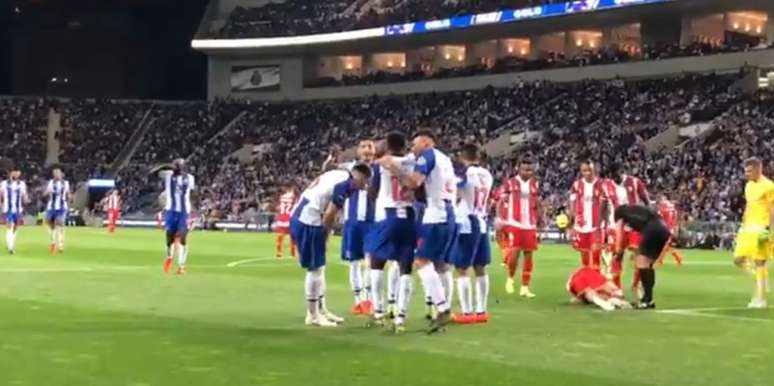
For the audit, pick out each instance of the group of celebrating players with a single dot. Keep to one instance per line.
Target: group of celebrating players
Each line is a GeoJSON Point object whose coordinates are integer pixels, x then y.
{"type": "Point", "coordinates": [418, 209]}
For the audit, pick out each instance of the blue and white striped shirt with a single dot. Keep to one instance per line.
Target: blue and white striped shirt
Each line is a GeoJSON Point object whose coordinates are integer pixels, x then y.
{"type": "Point", "coordinates": [177, 192]}
{"type": "Point", "coordinates": [13, 193]}
{"type": "Point", "coordinates": [58, 193]}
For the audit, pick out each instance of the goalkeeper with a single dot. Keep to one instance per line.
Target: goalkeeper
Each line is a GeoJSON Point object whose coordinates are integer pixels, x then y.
{"type": "Point", "coordinates": [753, 243]}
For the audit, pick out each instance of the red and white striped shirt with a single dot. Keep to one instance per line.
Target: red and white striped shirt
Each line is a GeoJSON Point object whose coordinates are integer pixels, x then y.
{"type": "Point", "coordinates": [636, 191]}
{"type": "Point", "coordinates": [522, 202]}
{"type": "Point", "coordinates": [668, 212]}
{"type": "Point", "coordinates": [285, 207]}
{"type": "Point", "coordinates": [588, 198]}
{"type": "Point", "coordinates": [113, 202]}
{"type": "Point", "coordinates": [615, 197]}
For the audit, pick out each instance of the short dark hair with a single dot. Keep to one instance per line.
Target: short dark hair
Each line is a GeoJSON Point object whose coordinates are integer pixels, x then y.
{"type": "Point", "coordinates": [470, 152]}
{"type": "Point", "coordinates": [396, 142]}
{"type": "Point", "coordinates": [526, 160]}
{"type": "Point", "coordinates": [425, 133]}
{"type": "Point", "coordinates": [362, 169]}
{"type": "Point", "coordinates": [754, 162]}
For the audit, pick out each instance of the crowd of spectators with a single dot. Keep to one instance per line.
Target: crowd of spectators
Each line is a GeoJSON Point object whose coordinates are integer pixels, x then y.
{"type": "Point", "coordinates": [551, 60]}
{"type": "Point", "coordinates": [286, 143]}
{"type": "Point", "coordinates": [298, 17]}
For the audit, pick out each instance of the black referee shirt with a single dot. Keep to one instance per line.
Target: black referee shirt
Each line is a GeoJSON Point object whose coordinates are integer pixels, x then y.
{"type": "Point", "coordinates": [635, 216]}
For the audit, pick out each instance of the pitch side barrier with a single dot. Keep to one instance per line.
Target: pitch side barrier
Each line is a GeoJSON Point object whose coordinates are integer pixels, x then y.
{"type": "Point", "coordinates": [419, 27]}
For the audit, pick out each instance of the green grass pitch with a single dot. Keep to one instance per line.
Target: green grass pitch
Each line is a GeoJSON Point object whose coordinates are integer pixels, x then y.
{"type": "Point", "coordinates": [104, 314]}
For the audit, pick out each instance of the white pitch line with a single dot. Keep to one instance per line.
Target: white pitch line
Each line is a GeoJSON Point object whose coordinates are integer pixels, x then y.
{"type": "Point", "coordinates": [716, 316]}
{"type": "Point", "coordinates": [702, 309]}
{"type": "Point", "coordinates": [241, 262]}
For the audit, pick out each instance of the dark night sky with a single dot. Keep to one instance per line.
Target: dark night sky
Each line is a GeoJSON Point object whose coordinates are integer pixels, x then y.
{"type": "Point", "coordinates": [152, 50]}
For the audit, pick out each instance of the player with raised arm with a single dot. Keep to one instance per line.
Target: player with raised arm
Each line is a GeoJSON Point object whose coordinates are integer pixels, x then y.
{"type": "Point", "coordinates": [472, 248]}
{"type": "Point", "coordinates": [58, 193]}
{"type": "Point", "coordinates": [111, 204]}
{"type": "Point", "coordinates": [358, 219]}
{"type": "Point", "coordinates": [178, 188]}
{"type": "Point", "coordinates": [587, 200]}
{"type": "Point", "coordinates": [13, 197]}
{"type": "Point", "coordinates": [436, 234]}
{"type": "Point", "coordinates": [753, 242]}
{"type": "Point", "coordinates": [525, 215]}
{"type": "Point", "coordinates": [655, 236]}
{"type": "Point", "coordinates": [285, 204]}
{"type": "Point", "coordinates": [311, 220]}
{"type": "Point", "coordinates": [393, 236]}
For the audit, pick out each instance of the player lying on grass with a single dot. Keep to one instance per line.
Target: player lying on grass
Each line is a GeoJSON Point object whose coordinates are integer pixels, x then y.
{"type": "Point", "coordinates": [588, 286]}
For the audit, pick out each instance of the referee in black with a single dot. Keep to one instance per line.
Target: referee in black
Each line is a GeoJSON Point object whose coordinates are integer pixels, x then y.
{"type": "Point", "coordinates": [655, 236]}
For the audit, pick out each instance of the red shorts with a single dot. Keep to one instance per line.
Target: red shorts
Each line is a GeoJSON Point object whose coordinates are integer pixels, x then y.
{"type": "Point", "coordinates": [586, 241]}
{"type": "Point", "coordinates": [112, 215]}
{"type": "Point", "coordinates": [632, 239]}
{"type": "Point", "coordinates": [585, 279]}
{"type": "Point", "coordinates": [522, 239]}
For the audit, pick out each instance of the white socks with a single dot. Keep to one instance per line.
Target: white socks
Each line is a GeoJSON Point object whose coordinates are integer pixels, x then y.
{"type": "Point", "coordinates": [377, 290]}
{"type": "Point", "coordinates": [482, 293]}
{"type": "Point", "coordinates": [356, 281]}
{"type": "Point", "coordinates": [321, 289]}
{"type": "Point", "coordinates": [405, 287]}
{"type": "Point", "coordinates": [393, 274]}
{"type": "Point", "coordinates": [10, 239]}
{"type": "Point", "coordinates": [433, 287]}
{"type": "Point", "coordinates": [182, 255]}
{"type": "Point", "coordinates": [465, 294]}
{"type": "Point", "coordinates": [447, 280]}
{"type": "Point", "coordinates": [312, 288]}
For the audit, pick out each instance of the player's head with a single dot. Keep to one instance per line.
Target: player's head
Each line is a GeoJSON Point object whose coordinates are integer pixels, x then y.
{"type": "Point", "coordinates": [753, 169]}
{"type": "Point", "coordinates": [587, 170]}
{"type": "Point", "coordinates": [57, 173]}
{"type": "Point", "coordinates": [365, 151]}
{"type": "Point", "coordinates": [14, 173]}
{"type": "Point", "coordinates": [526, 168]}
{"type": "Point", "coordinates": [395, 143]}
{"type": "Point", "coordinates": [360, 175]}
{"type": "Point", "coordinates": [178, 165]}
{"type": "Point", "coordinates": [470, 154]}
{"type": "Point", "coordinates": [616, 173]}
{"type": "Point", "coordinates": [423, 140]}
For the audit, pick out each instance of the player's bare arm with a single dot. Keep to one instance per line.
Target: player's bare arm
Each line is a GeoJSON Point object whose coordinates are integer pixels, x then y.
{"type": "Point", "coordinates": [329, 218]}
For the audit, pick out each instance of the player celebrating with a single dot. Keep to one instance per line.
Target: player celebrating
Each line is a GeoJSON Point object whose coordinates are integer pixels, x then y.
{"type": "Point", "coordinates": [282, 225]}
{"type": "Point", "coordinates": [753, 242]}
{"type": "Point", "coordinates": [112, 206]}
{"type": "Point", "coordinates": [393, 236]}
{"type": "Point", "coordinates": [434, 171]}
{"type": "Point", "coordinates": [668, 211]}
{"type": "Point", "coordinates": [588, 286]}
{"type": "Point", "coordinates": [472, 247]}
{"type": "Point", "coordinates": [178, 186]}
{"type": "Point", "coordinates": [58, 192]}
{"type": "Point", "coordinates": [311, 221]}
{"type": "Point", "coordinates": [587, 200]}
{"type": "Point", "coordinates": [358, 219]}
{"type": "Point", "coordinates": [13, 196]}
{"type": "Point", "coordinates": [524, 215]}
{"type": "Point", "coordinates": [655, 236]}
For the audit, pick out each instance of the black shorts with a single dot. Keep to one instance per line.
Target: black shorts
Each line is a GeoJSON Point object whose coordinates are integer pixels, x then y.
{"type": "Point", "coordinates": [655, 236]}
